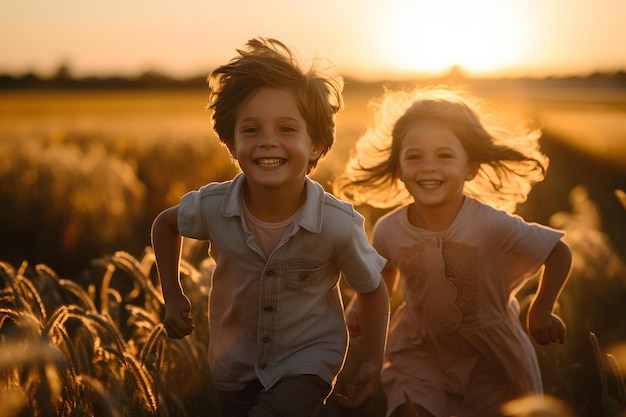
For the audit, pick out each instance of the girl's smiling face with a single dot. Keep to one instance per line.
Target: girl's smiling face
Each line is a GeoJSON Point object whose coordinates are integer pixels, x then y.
{"type": "Point", "coordinates": [434, 165]}
{"type": "Point", "coordinates": [272, 143]}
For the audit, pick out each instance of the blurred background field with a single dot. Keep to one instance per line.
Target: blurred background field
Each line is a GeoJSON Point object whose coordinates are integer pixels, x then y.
{"type": "Point", "coordinates": [84, 171]}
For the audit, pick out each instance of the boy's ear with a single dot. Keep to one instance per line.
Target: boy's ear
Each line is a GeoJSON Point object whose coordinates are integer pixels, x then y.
{"type": "Point", "coordinates": [316, 151]}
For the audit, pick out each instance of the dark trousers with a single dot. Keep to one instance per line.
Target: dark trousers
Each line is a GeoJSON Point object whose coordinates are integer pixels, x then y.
{"type": "Point", "coordinates": [291, 396]}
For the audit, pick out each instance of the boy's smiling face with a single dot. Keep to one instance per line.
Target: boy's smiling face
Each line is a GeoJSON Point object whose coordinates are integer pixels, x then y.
{"type": "Point", "coordinates": [271, 140]}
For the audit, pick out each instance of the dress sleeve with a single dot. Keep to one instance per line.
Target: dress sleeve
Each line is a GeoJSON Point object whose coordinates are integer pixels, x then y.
{"type": "Point", "coordinates": [525, 247]}
{"type": "Point", "coordinates": [388, 235]}
{"type": "Point", "coordinates": [379, 241]}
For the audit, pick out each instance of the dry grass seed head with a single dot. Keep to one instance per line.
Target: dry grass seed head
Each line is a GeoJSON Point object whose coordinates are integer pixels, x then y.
{"type": "Point", "coordinates": [142, 380]}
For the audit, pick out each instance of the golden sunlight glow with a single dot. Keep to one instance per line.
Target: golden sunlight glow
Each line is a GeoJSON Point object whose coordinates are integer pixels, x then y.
{"type": "Point", "coordinates": [480, 36]}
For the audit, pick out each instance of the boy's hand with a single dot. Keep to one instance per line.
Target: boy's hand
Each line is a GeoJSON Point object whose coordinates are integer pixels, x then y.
{"type": "Point", "coordinates": [546, 327]}
{"type": "Point", "coordinates": [177, 321]}
{"type": "Point", "coordinates": [362, 388]}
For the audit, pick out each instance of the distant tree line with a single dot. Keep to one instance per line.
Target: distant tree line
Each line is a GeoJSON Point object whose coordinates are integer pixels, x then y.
{"type": "Point", "coordinates": [64, 80]}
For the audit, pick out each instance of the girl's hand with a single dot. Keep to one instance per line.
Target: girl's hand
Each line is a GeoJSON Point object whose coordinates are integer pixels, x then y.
{"type": "Point", "coordinates": [546, 327]}
{"type": "Point", "coordinates": [177, 321]}
{"type": "Point", "coordinates": [362, 388]}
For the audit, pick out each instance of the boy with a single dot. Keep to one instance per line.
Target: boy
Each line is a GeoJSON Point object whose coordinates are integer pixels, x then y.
{"type": "Point", "coordinates": [278, 333]}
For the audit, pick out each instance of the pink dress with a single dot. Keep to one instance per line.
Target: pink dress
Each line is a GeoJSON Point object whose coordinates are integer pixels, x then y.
{"type": "Point", "coordinates": [457, 346]}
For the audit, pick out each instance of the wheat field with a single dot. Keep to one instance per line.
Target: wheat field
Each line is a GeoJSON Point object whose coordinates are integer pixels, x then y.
{"type": "Point", "coordinates": [83, 173]}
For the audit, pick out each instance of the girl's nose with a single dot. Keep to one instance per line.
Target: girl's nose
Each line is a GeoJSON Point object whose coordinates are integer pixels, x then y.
{"type": "Point", "coordinates": [428, 165]}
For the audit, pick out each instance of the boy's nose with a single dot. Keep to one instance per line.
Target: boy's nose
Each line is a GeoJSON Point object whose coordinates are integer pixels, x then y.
{"type": "Point", "coordinates": [268, 139]}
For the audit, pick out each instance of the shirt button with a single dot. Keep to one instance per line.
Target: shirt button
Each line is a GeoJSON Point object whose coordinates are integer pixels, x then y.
{"type": "Point", "coordinates": [270, 273]}
{"type": "Point", "coordinates": [269, 309]}
{"type": "Point", "coordinates": [263, 365]}
{"type": "Point", "coordinates": [266, 339]}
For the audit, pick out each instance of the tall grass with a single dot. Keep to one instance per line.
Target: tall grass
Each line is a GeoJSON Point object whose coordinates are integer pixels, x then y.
{"type": "Point", "coordinates": [592, 305]}
{"type": "Point", "coordinates": [80, 329]}
{"type": "Point", "coordinates": [100, 350]}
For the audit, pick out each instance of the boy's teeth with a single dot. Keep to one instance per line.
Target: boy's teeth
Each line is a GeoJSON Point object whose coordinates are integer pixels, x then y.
{"type": "Point", "coordinates": [430, 183]}
{"type": "Point", "coordinates": [269, 162]}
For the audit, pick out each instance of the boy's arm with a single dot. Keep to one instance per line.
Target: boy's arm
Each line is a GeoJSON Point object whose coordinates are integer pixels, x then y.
{"type": "Point", "coordinates": [373, 310]}
{"type": "Point", "coordinates": [166, 242]}
{"type": "Point", "coordinates": [545, 326]}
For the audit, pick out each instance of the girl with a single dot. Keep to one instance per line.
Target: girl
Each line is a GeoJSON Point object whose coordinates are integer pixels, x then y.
{"type": "Point", "coordinates": [456, 347]}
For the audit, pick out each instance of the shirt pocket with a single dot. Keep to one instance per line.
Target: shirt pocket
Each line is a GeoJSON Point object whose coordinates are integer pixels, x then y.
{"type": "Point", "coordinates": [302, 274]}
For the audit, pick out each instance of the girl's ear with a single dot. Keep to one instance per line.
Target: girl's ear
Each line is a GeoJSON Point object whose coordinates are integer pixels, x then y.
{"type": "Point", "coordinates": [472, 170]}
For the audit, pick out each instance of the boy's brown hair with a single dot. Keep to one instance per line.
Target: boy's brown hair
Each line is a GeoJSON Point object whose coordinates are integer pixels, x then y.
{"type": "Point", "coordinates": [268, 62]}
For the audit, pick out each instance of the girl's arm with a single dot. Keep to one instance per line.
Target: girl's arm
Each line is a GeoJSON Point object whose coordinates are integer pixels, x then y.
{"type": "Point", "coordinates": [390, 276]}
{"type": "Point", "coordinates": [545, 326]}
{"type": "Point", "coordinates": [373, 311]}
{"type": "Point", "coordinates": [166, 242]}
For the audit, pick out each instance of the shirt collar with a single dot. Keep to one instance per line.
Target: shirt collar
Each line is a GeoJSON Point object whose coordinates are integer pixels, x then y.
{"type": "Point", "coordinates": [310, 217]}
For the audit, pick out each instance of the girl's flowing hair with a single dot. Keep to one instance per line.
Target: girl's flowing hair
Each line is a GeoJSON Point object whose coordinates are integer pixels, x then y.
{"type": "Point", "coordinates": [506, 152]}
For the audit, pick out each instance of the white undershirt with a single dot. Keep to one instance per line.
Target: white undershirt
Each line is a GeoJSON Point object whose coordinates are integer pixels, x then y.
{"type": "Point", "coordinates": [266, 234]}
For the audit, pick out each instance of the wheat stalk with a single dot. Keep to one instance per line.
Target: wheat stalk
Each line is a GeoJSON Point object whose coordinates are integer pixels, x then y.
{"type": "Point", "coordinates": [143, 382]}
{"type": "Point", "coordinates": [80, 294]}
{"type": "Point", "coordinates": [152, 346]}
{"type": "Point", "coordinates": [619, 378]}
{"type": "Point", "coordinates": [103, 402]}
{"type": "Point", "coordinates": [105, 322]}
{"type": "Point", "coordinates": [148, 260]}
{"type": "Point", "coordinates": [23, 319]}
{"type": "Point", "coordinates": [602, 370]}
{"type": "Point", "coordinates": [104, 287]}
{"type": "Point", "coordinates": [9, 275]}
{"type": "Point", "coordinates": [30, 293]}
{"type": "Point", "coordinates": [136, 270]}
{"type": "Point", "coordinates": [7, 272]}
{"type": "Point", "coordinates": [43, 269]}
{"type": "Point", "coordinates": [64, 342]}
{"type": "Point", "coordinates": [58, 317]}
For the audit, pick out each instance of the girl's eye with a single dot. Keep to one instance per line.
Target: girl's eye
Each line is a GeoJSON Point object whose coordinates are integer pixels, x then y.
{"type": "Point", "coordinates": [288, 129]}
{"type": "Point", "coordinates": [412, 157]}
{"type": "Point", "coordinates": [446, 156]}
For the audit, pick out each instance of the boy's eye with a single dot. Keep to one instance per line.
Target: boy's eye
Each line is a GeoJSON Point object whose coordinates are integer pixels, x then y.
{"type": "Point", "coordinates": [412, 157]}
{"type": "Point", "coordinates": [249, 130]}
{"type": "Point", "coordinates": [288, 129]}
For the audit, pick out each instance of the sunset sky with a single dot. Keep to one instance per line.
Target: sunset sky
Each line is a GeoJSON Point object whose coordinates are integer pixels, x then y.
{"type": "Point", "coordinates": [363, 38]}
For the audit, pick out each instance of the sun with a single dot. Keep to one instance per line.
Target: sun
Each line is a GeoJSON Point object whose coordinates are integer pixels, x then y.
{"type": "Point", "coordinates": [481, 36]}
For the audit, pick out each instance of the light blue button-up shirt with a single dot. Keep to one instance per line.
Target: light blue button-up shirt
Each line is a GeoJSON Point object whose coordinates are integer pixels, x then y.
{"type": "Point", "coordinates": [280, 314]}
